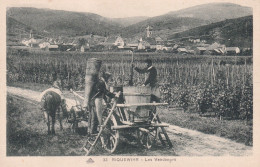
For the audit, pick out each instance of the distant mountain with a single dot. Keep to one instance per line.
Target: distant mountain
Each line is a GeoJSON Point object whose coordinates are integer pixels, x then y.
{"type": "Point", "coordinates": [231, 32]}
{"type": "Point", "coordinates": [185, 19]}
{"type": "Point", "coordinates": [213, 12]}
{"type": "Point", "coordinates": [129, 20]}
{"type": "Point", "coordinates": [71, 24]}
{"type": "Point", "coordinates": [66, 23]}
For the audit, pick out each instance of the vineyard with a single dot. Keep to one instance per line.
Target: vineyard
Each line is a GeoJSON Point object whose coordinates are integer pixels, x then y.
{"type": "Point", "coordinates": [205, 84]}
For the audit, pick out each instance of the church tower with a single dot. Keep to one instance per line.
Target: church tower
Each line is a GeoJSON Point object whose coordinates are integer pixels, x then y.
{"type": "Point", "coordinates": [149, 31]}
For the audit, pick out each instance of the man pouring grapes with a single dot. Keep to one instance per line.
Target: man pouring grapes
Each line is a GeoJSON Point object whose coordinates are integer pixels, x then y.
{"type": "Point", "coordinates": [151, 79]}
{"type": "Point", "coordinates": [151, 71]}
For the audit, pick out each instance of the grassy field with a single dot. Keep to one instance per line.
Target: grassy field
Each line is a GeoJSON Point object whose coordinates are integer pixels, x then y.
{"type": "Point", "coordinates": [237, 130]}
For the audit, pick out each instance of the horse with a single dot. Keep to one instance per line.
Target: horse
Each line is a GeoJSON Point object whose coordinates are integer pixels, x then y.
{"type": "Point", "coordinates": [52, 104]}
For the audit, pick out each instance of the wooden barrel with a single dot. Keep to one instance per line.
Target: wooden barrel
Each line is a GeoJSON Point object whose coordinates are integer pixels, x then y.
{"type": "Point", "coordinates": [92, 71]}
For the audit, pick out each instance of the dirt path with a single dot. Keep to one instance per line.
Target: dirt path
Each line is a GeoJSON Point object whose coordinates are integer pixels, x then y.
{"type": "Point", "coordinates": [186, 142]}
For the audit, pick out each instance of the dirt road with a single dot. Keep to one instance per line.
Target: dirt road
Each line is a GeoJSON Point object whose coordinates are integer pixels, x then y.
{"type": "Point", "coordinates": [186, 142]}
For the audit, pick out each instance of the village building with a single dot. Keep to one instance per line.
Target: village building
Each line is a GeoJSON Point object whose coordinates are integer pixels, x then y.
{"type": "Point", "coordinates": [156, 43]}
{"type": "Point", "coordinates": [143, 45]}
{"type": "Point", "coordinates": [159, 43]}
{"type": "Point", "coordinates": [133, 46]}
{"type": "Point", "coordinates": [132, 43]}
{"type": "Point", "coordinates": [191, 51]}
{"type": "Point", "coordinates": [111, 43]}
{"type": "Point", "coordinates": [85, 47]}
{"type": "Point", "coordinates": [203, 41]}
{"type": "Point", "coordinates": [216, 48]}
{"type": "Point", "coordinates": [232, 50]}
{"type": "Point", "coordinates": [44, 45]}
{"type": "Point", "coordinates": [34, 43]}
{"type": "Point", "coordinates": [26, 42]}
{"type": "Point", "coordinates": [182, 50]}
{"type": "Point", "coordinates": [175, 46]}
{"type": "Point", "coordinates": [152, 42]}
{"type": "Point", "coordinates": [107, 46]}
{"type": "Point", "coordinates": [194, 40]}
{"type": "Point", "coordinates": [167, 48]}
{"type": "Point", "coordinates": [119, 42]}
{"type": "Point", "coordinates": [53, 47]}
{"type": "Point", "coordinates": [218, 52]}
{"type": "Point", "coordinates": [66, 47]}
{"type": "Point", "coordinates": [69, 42]}
{"type": "Point", "coordinates": [159, 40]}
{"type": "Point", "coordinates": [200, 50]}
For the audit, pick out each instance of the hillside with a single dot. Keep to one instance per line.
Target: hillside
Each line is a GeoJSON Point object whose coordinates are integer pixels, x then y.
{"type": "Point", "coordinates": [214, 12]}
{"type": "Point", "coordinates": [124, 22]}
{"type": "Point", "coordinates": [14, 27]}
{"type": "Point", "coordinates": [15, 31]}
{"type": "Point", "coordinates": [231, 32]}
{"type": "Point", "coordinates": [71, 24]}
{"type": "Point", "coordinates": [66, 23]}
{"type": "Point", "coordinates": [163, 27]}
{"type": "Point", "coordinates": [185, 19]}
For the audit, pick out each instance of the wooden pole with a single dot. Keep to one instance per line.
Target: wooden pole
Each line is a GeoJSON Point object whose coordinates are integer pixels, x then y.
{"type": "Point", "coordinates": [227, 76]}
{"type": "Point", "coordinates": [131, 83]}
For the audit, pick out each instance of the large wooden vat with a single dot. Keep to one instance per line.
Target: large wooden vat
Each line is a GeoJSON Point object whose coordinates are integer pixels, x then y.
{"type": "Point", "coordinates": [92, 71]}
{"type": "Point", "coordinates": [134, 95]}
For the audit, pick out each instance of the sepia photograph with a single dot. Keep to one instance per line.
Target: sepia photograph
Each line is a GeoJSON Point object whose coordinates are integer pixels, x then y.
{"type": "Point", "coordinates": [122, 82]}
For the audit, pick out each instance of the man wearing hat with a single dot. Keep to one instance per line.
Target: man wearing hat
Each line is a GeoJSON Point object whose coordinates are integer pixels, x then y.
{"type": "Point", "coordinates": [152, 73]}
{"type": "Point", "coordinates": [151, 79]}
{"type": "Point", "coordinates": [99, 93]}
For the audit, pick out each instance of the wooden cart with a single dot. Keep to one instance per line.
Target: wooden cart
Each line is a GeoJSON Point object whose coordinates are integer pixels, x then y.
{"type": "Point", "coordinates": [139, 119]}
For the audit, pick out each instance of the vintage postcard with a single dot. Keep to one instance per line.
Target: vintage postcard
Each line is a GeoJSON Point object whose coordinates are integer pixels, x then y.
{"type": "Point", "coordinates": [134, 82]}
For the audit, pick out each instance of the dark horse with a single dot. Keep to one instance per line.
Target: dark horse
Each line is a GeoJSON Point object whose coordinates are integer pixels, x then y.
{"type": "Point", "coordinates": [52, 104]}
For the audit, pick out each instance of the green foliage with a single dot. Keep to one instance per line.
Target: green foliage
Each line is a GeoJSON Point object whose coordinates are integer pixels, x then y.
{"type": "Point", "coordinates": [220, 85]}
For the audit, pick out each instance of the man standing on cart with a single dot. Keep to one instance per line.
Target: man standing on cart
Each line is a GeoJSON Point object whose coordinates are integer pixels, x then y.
{"type": "Point", "coordinates": [152, 73]}
{"type": "Point", "coordinates": [151, 79]}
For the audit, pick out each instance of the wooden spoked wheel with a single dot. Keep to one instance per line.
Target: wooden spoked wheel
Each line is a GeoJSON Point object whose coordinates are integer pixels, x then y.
{"type": "Point", "coordinates": [110, 138]}
{"type": "Point", "coordinates": [147, 137]}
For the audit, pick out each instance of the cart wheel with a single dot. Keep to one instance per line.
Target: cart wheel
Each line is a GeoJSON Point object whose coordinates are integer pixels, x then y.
{"type": "Point", "coordinates": [147, 137]}
{"type": "Point", "coordinates": [109, 137]}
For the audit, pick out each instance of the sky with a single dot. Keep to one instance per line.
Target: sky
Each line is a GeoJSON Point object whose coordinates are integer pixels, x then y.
{"type": "Point", "coordinates": [119, 8]}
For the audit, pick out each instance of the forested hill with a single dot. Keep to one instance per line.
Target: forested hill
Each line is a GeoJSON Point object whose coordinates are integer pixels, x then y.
{"type": "Point", "coordinates": [72, 24]}
{"type": "Point", "coordinates": [63, 22]}
{"type": "Point", "coordinates": [231, 32]}
{"type": "Point", "coordinates": [185, 19]}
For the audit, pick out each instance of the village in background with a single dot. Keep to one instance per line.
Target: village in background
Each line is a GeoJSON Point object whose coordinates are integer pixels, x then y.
{"type": "Point", "coordinates": [222, 34]}
{"type": "Point", "coordinates": [147, 43]}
